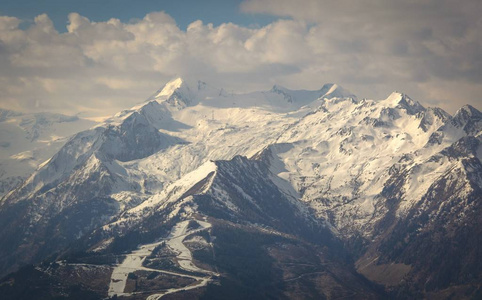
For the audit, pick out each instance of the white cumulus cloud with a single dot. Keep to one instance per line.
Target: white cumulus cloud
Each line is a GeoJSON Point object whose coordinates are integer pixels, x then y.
{"type": "Point", "coordinates": [371, 48]}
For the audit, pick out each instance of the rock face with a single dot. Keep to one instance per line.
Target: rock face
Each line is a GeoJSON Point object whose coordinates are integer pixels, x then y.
{"type": "Point", "coordinates": [284, 194]}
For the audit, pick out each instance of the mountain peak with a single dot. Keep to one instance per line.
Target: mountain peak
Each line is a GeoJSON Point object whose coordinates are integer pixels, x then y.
{"type": "Point", "coordinates": [468, 117]}
{"type": "Point", "coordinates": [403, 101]}
{"type": "Point", "coordinates": [181, 83]}
{"type": "Point", "coordinates": [170, 87]}
{"type": "Point", "coordinates": [333, 90]}
{"type": "Point", "coordinates": [178, 93]}
{"type": "Point", "coordinates": [468, 110]}
{"type": "Point", "coordinates": [328, 86]}
{"type": "Point", "coordinates": [181, 92]}
{"type": "Point", "coordinates": [278, 88]}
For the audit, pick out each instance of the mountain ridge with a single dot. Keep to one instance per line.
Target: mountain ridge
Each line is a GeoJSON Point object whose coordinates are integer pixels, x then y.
{"type": "Point", "coordinates": [339, 173]}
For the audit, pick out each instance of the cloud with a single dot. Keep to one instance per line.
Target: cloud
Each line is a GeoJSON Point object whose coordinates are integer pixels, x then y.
{"type": "Point", "coordinates": [99, 68]}
{"type": "Point", "coordinates": [422, 45]}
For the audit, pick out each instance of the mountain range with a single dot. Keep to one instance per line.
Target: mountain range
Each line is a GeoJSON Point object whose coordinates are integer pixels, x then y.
{"type": "Point", "coordinates": [201, 193]}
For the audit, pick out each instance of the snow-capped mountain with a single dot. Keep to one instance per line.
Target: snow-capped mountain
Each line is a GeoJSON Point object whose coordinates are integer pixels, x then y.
{"type": "Point", "coordinates": [319, 171]}
{"type": "Point", "coordinates": [27, 140]}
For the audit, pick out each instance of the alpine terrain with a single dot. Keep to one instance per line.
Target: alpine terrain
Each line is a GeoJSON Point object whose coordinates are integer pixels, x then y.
{"type": "Point", "coordinates": [279, 194]}
{"type": "Point", "coordinates": [27, 140]}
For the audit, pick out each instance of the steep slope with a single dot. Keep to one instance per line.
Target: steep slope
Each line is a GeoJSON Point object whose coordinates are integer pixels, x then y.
{"type": "Point", "coordinates": [229, 224]}
{"type": "Point", "coordinates": [390, 188]}
{"type": "Point", "coordinates": [76, 186]}
{"type": "Point", "coordinates": [27, 140]}
{"type": "Point", "coordinates": [438, 241]}
{"type": "Point", "coordinates": [339, 157]}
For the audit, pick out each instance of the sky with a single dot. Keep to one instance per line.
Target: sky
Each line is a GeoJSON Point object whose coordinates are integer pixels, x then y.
{"type": "Point", "coordinates": [95, 58]}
